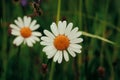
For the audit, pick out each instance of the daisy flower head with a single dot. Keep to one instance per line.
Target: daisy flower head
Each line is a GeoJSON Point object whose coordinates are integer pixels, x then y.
{"type": "Point", "coordinates": [24, 30]}
{"type": "Point", "coordinates": [63, 40]}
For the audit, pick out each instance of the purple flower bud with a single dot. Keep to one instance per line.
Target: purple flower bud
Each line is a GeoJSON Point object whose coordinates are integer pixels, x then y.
{"type": "Point", "coordinates": [23, 2]}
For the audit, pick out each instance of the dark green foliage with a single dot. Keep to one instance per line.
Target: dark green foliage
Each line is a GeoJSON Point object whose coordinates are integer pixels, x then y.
{"type": "Point", "coordinates": [98, 61]}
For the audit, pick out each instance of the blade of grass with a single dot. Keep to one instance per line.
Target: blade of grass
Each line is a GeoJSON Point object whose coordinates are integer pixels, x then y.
{"type": "Point", "coordinates": [97, 37]}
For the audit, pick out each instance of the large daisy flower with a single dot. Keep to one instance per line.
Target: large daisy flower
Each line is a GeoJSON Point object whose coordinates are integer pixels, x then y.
{"type": "Point", "coordinates": [24, 29]}
{"type": "Point", "coordinates": [62, 41]}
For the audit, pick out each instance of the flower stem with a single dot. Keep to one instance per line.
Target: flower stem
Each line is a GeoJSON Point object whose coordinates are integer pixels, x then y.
{"type": "Point", "coordinates": [58, 18]}
{"type": "Point", "coordinates": [52, 71]}
{"type": "Point", "coordinates": [76, 69]}
{"type": "Point", "coordinates": [58, 11]}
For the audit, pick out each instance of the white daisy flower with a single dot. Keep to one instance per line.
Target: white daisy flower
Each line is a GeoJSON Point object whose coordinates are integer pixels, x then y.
{"type": "Point", "coordinates": [61, 41]}
{"type": "Point", "coordinates": [25, 31]}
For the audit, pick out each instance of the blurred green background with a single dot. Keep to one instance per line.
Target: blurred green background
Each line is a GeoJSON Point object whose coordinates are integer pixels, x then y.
{"type": "Point", "coordinates": [98, 61]}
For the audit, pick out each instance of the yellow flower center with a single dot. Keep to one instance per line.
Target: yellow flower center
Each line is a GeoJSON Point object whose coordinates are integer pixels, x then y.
{"type": "Point", "coordinates": [25, 32]}
{"type": "Point", "coordinates": [61, 42]}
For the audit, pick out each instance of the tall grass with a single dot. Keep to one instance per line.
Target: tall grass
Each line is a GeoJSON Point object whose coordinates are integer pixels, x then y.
{"type": "Point", "coordinates": [99, 20]}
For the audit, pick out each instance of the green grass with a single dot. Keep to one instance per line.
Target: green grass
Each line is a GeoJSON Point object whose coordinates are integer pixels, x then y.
{"type": "Point", "coordinates": [99, 20]}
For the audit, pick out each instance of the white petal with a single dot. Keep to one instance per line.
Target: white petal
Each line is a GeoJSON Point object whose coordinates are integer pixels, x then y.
{"type": "Point", "coordinates": [24, 42]}
{"type": "Point", "coordinates": [35, 27]}
{"type": "Point", "coordinates": [27, 21]}
{"type": "Point", "coordinates": [64, 27]}
{"type": "Point", "coordinates": [60, 57]}
{"type": "Point", "coordinates": [45, 43]}
{"type": "Point", "coordinates": [36, 34]}
{"type": "Point", "coordinates": [61, 27]}
{"type": "Point", "coordinates": [35, 38]}
{"type": "Point", "coordinates": [76, 40]}
{"type": "Point", "coordinates": [66, 57]}
{"type": "Point", "coordinates": [14, 27]}
{"type": "Point", "coordinates": [54, 29]}
{"type": "Point", "coordinates": [15, 32]}
{"type": "Point", "coordinates": [56, 56]}
{"type": "Point", "coordinates": [31, 39]}
{"type": "Point", "coordinates": [51, 53]}
{"type": "Point", "coordinates": [76, 46]}
{"type": "Point", "coordinates": [18, 40]}
{"type": "Point", "coordinates": [68, 29]}
{"type": "Point", "coordinates": [76, 50]}
{"type": "Point", "coordinates": [72, 33]}
{"type": "Point", "coordinates": [20, 21]}
{"type": "Point", "coordinates": [75, 35]}
{"type": "Point", "coordinates": [72, 53]}
{"type": "Point", "coordinates": [49, 34]}
{"type": "Point", "coordinates": [29, 43]}
{"type": "Point", "coordinates": [32, 24]}
{"type": "Point", "coordinates": [46, 39]}
{"type": "Point", "coordinates": [48, 48]}
{"type": "Point", "coordinates": [78, 34]}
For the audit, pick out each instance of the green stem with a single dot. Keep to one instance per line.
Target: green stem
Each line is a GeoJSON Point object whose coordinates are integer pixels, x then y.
{"type": "Point", "coordinates": [80, 13]}
{"type": "Point", "coordinates": [58, 18]}
{"type": "Point", "coordinates": [3, 51]}
{"type": "Point", "coordinates": [97, 37]}
{"type": "Point", "coordinates": [58, 11]}
{"type": "Point", "coordinates": [52, 71]}
{"type": "Point", "coordinates": [4, 9]}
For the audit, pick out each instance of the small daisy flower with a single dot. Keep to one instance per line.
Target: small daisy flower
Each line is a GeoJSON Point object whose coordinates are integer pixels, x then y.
{"type": "Point", "coordinates": [61, 41]}
{"type": "Point", "coordinates": [25, 31]}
